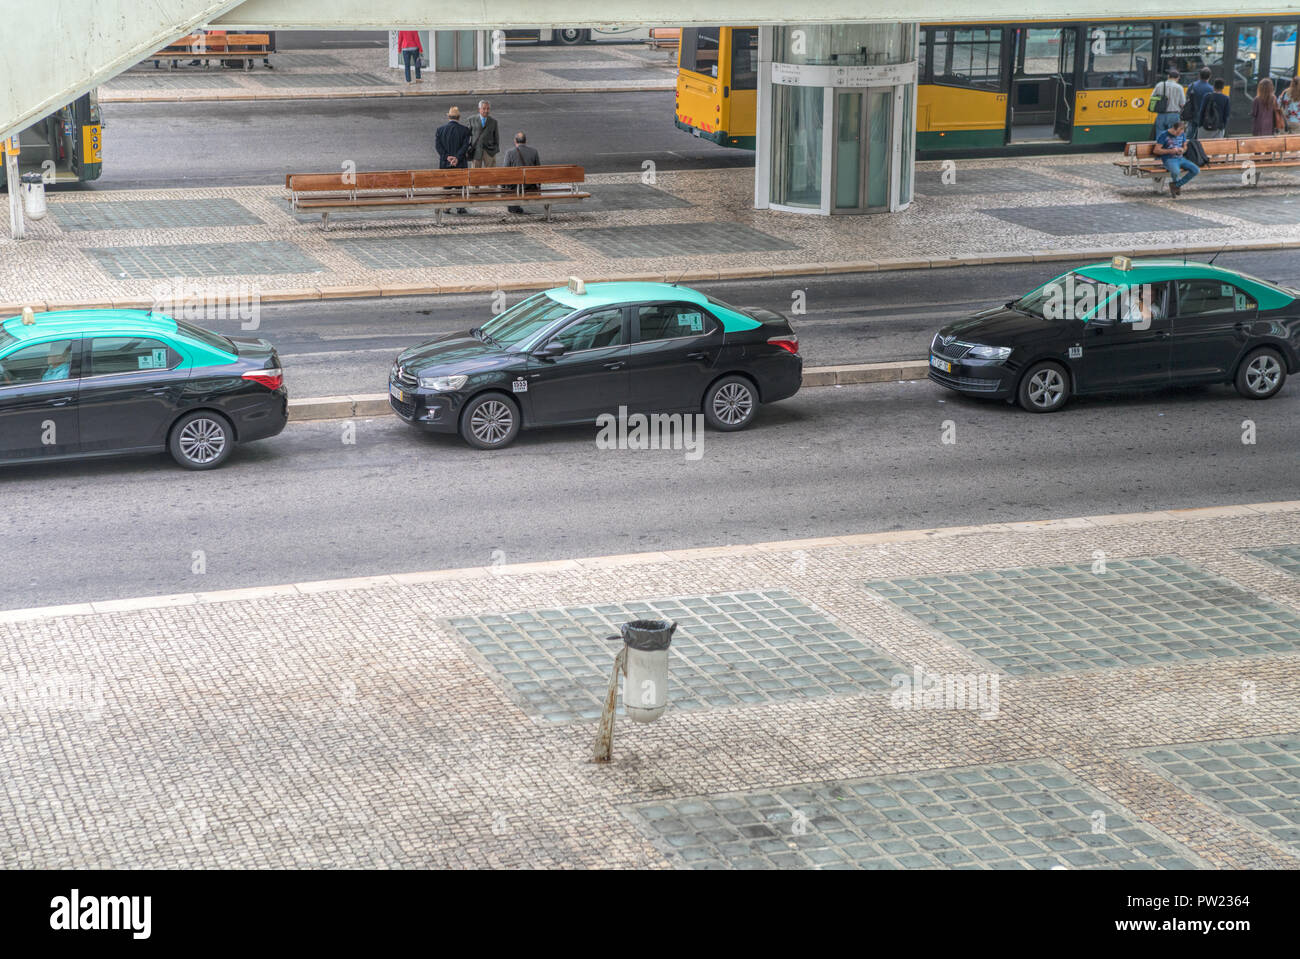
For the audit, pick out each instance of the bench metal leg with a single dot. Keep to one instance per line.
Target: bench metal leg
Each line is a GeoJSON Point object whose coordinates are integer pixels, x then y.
{"type": "Point", "coordinates": [325, 221]}
{"type": "Point", "coordinates": [547, 208]}
{"type": "Point", "coordinates": [437, 216]}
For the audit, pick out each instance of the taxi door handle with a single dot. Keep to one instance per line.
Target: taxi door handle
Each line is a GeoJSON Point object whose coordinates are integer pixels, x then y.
{"type": "Point", "coordinates": [698, 355]}
{"type": "Point", "coordinates": [616, 365]}
{"type": "Point", "coordinates": [1162, 334]}
{"type": "Point", "coordinates": [61, 401]}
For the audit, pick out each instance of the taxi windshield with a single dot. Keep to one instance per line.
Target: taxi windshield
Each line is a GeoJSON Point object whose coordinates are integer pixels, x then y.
{"type": "Point", "coordinates": [1049, 301]}
{"type": "Point", "coordinates": [524, 320]}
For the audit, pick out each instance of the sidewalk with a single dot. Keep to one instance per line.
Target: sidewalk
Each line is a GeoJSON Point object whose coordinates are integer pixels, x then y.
{"type": "Point", "coordinates": [1138, 708]}
{"type": "Point", "coordinates": [341, 73]}
{"type": "Point", "coordinates": [115, 247]}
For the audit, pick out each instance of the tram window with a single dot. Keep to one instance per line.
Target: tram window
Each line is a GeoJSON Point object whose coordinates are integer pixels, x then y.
{"type": "Point", "coordinates": [1119, 55]}
{"type": "Point", "coordinates": [700, 50]}
{"type": "Point", "coordinates": [744, 59]}
{"type": "Point", "coordinates": [1188, 45]}
{"type": "Point", "coordinates": [966, 58]}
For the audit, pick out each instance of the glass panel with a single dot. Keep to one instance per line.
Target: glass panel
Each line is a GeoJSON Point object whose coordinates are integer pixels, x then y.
{"type": "Point", "coordinates": [127, 354]}
{"type": "Point", "coordinates": [594, 331]}
{"type": "Point", "coordinates": [1191, 44]}
{"type": "Point", "coordinates": [669, 321]}
{"type": "Point", "coordinates": [1246, 82]}
{"type": "Point", "coordinates": [968, 58]}
{"type": "Point", "coordinates": [1281, 57]}
{"type": "Point", "coordinates": [700, 51]}
{"type": "Point", "coordinates": [445, 50]}
{"type": "Point", "coordinates": [880, 125]}
{"type": "Point", "coordinates": [1118, 55]}
{"type": "Point", "coordinates": [848, 150]}
{"type": "Point", "coordinates": [744, 59]}
{"type": "Point", "coordinates": [1040, 52]}
{"type": "Point", "coordinates": [850, 44]}
{"type": "Point", "coordinates": [465, 49]}
{"type": "Point", "coordinates": [797, 145]}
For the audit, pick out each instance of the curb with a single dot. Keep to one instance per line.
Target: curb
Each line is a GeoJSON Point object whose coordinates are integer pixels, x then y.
{"type": "Point", "coordinates": [1031, 527]}
{"type": "Point", "coordinates": [367, 94]}
{"type": "Point", "coordinates": [376, 404]}
{"type": "Point", "coordinates": [884, 265]}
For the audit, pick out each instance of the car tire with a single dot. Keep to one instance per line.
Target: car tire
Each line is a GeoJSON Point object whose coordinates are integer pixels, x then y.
{"type": "Point", "coordinates": [568, 35]}
{"type": "Point", "coordinates": [1261, 374]}
{"type": "Point", "coordinates": [1044, 388]}
{"type": "Point", "coordinates": [730, 404]}
{"type": "Point", "coordinates": [201, 440]}
{"type": "Point", "coordinates": [490, 421]}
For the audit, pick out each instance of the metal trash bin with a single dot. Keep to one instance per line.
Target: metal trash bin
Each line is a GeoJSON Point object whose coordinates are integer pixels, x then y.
{"type": "Point", "coordinates": [33, 195]}
{"type": "Point", "coordinates": [645, 687]}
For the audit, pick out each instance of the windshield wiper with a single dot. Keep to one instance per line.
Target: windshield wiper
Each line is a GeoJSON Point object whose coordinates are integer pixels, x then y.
{"type": "Point", "coordinates": [484, 336]}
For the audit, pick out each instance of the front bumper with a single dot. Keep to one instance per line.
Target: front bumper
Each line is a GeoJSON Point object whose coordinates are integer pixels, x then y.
{"type": "Point", "coordinates": [974, 377]}
{"type": "Point", "coordinates": [435, 412]}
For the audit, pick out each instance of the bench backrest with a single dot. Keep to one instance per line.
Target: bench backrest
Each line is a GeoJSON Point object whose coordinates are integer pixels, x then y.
{"type": "Point", "coordinates": [555, 173]}
{"type": "Point", "coordinates": [434, 179]}
{"type": "Point", "coordinates": [1238, 146]}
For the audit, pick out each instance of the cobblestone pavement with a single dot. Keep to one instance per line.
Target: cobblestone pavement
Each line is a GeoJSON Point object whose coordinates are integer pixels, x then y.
{"type": "Point", "coordinates": [828, 711]}
{"type": "Point", "coordinates": [350, 72]}
{"type": "Point", "coordinates": [694, 224]}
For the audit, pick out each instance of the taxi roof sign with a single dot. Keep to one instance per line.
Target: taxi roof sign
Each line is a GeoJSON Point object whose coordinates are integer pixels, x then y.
{"type": "Point", "coordinates": [576, 286]}
{"type": "Point", "coordinates": [1121, 263]}
{"type": "Point", "coordinates": [29, 316]}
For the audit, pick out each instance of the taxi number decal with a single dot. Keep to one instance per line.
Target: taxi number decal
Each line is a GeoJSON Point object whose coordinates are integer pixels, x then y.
{"type": "Point", "coordinates": [1076, 352]}
{"type": "Point", "coordinates": [519, 386]}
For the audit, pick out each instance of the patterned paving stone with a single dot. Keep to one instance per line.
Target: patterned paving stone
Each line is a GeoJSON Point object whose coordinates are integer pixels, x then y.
{"type": "Point", "coordinates": [1101, 172]}
{"type": "Point", "coordinates": [673, 239]}
{"type": "Point", "coordinates": [524, 55]}
{"type": "Point", "coordinates": [968, 181]}
{"type": "Point", "coordinates": [202, 259]}
{"type": "Point", "coordinates": [165, 79]}
{"type": "Point", "coordinates": [729, 649]}
{"type": "Point", "coordinates": [319, 80]}
{"type": "Point", "coordinates": [1064, 618]}
{"type": "Point", "coordinates": [1268, 208]}
{"type": "Point", "coordinates": [1254, 780]}
{"type": "Point", "coordinates": [151, 214]}
{"type": "Point", "coordinates": [603, 74]}
{"type": "Point", "coordinates": [631, 196]}
{"type": "Point", "coordinates": [1284, 557]}
{"type": "Point", "coordinates": [465, 249]}
{"type": "Point", "coordinates": [1088, 218]}
{"type": "Point", "coordinates": [1016, 816]}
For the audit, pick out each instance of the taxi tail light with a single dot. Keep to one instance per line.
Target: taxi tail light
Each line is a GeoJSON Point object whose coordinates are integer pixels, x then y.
{"type": "Point", "coordinates": [271, 379]}
{"type": "Point", "coordinates": [789, 343]}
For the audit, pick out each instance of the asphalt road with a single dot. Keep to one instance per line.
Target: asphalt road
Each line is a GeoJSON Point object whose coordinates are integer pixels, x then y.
{"type": "Point", "coordinates": [344, 347]}
{"type": "Point", "coordinates": [205, 144]}
{"type": "Point", "coordinates": [306, 505]}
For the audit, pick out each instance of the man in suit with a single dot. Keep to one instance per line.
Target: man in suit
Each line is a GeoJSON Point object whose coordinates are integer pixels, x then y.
{"type": "Point", "coordinates": [521, 155]}
{"type": "Point", "coordinates": [452, 143]}
{"type": "Point", "coordinates": [486, 140]}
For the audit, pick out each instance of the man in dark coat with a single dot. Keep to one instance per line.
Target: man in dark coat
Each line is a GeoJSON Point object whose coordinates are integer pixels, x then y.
{"type": "Point", "coordinates": [521, 155]}
{"type": "Point", "coordinates": [452, 143]}
{"type": "Point", "coordinates": [485, 140]}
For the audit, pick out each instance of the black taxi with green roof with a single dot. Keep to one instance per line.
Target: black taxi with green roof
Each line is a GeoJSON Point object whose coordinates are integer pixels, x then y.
{"type": "Point", "coordinates": [1124, 325]}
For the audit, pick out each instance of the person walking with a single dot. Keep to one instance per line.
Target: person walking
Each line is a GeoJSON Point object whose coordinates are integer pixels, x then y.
{"type": "Point", "coordinates": [1289, 101]}
{"type": "Point", "coordinates": [1215, 108]}
{"type": "Point", "coordinates": [1265, 113]}
{"type": "Point", "coordinates": [486, 139]}
{"type": "Point", "coordinates": [408, 41]}
{"type": "Point", "coordinates": [1169, 98]}
{"type": "Point", "coordinates": [1197, 93]}
{"type": "Point", "coordinates": [1170, 147]}
{"type": "Point", "coordinates": [452, 143]}
{"type": "Point", "coordinates": [521, 154]}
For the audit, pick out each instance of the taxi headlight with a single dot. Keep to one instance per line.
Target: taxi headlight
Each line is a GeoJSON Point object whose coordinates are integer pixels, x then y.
{"type": "Point", "coordinates": [443, 384]}
{"type": "Point", "coordinates": [991, 352]}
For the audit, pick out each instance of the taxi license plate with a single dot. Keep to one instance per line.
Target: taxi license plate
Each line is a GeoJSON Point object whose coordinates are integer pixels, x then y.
{"type": "Point", "coordinates": [397, 394]}
{"type": "Point", "coordinates": [939, 364]}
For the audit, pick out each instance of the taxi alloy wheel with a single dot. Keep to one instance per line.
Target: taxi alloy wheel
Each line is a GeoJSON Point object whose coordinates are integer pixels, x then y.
{"type": "Point", "coordinates": [201, 440]}
{"type": "Point", "coordinates": [1260, 375]}
{"type": "Point", "coordinates": [1044, 388]}
{"type": "Point", "coordinates": [731, 403]}
{"type": "Point", "coordinates": [490, 422]}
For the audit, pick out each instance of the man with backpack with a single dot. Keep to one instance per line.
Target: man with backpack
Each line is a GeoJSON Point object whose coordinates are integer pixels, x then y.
{"type": "Point", "coordinates": [1213, 120]}
{"type": "Point", "coordinates": [1196, 94]}
{"type": "Point", "coordinates": [1167, 101]}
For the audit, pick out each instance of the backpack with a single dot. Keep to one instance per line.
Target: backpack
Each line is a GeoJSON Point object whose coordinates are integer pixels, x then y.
{"type": "Point", "coordinates": [1188, 112]}
{"type": "Point", "coordinates": [1155, 102]}
{"type": "Point", "coordinates": [1210, 116]}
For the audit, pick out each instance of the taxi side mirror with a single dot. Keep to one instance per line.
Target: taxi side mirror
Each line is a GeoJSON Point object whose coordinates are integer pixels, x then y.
{"type": "Point", "coordinates": [553, 349]}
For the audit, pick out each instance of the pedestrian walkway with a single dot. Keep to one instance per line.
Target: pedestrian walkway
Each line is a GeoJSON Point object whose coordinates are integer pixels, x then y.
{"type": "Point", "coordinates": [340, 73]}
{"type": "Point", "coordinates": [1102, 692]}
{"type": "Point", "coordinates": [116, 246]}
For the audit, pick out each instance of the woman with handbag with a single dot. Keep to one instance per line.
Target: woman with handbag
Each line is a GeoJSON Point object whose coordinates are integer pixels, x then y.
{"type": "Point", "coordinates": [1265, 112]}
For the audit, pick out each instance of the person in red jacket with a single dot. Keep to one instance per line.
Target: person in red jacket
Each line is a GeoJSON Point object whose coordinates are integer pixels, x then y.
{"type": "Point", "coordinates": [408, 41]}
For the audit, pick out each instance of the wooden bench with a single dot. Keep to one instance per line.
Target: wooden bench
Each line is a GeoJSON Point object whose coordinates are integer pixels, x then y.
{"type": "Point", "coordinates": [205, 47]}
{"type": "Point", "coordinates": [327, 193]}
{"type": "Point", "coordinates": [1247, 157]}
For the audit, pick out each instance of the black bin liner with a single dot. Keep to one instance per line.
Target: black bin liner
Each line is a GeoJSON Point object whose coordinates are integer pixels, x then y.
{"type": "Point", "coordinates": [648, 635]}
